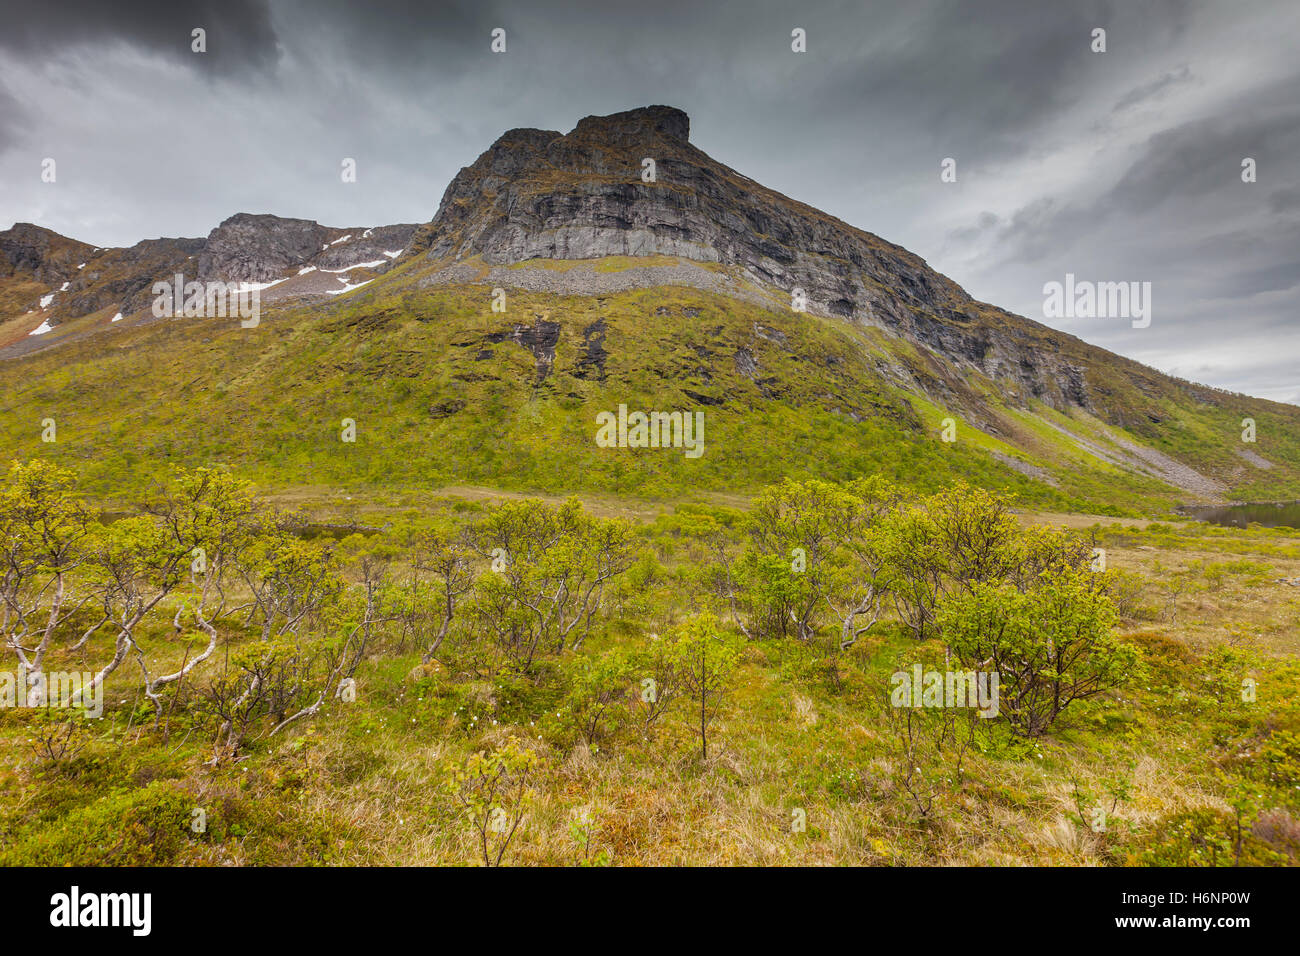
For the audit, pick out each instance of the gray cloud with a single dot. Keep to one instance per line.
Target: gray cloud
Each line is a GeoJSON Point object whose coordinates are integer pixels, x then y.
{"type": "Point", "coordinates": [1151, 90]}
{"type": "Point", "coordinates": [239, 33]}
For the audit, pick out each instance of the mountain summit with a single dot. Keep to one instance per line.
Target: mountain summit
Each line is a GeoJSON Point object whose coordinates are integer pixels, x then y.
{"type": "Point", "coordinates": [542, 194]}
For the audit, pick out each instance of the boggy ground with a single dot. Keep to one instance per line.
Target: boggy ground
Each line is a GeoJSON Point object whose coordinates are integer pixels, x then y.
{"type": "Point", "coordinates": [1184, 770]}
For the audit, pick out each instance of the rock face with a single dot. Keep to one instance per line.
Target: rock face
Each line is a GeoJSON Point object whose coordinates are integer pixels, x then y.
{"type": "Point", "coordinates": [124, 278]}
{"type": "Point", "coordinates": [250, 248]}
{"type": "Point", "coordinates": [74, 279]}
{"type": "Point", "coordinates": [540, 194]}
{"type": "Point", "coordinates": [43, 255]}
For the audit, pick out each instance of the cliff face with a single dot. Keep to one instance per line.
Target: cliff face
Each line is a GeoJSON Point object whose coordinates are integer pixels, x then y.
{"type": "Point", "coordinates": [124, 278]}
{"type": "Point", "coordinates": [539, 194]}
{"type": "Point", "coordinates": [248, 248]}
{"type": "Point", "coordinates": [39, 253]}
{"type": "Point", "coordinates": [60, 279]}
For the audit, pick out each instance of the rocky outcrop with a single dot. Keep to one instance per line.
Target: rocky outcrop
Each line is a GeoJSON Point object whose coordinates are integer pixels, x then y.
{"type": "Point", "coordinates": [264, 248]}
{"type": "Point", "coordinates": [40, 254]}
{"type": "Point", "coordinates": [74, 279]}
{"type": "Point", "coordinates": [541, 194]}
{"type": "Point", "coordinates": [250, 248]}
{"type": "Point", "coordinates": [123, 278]}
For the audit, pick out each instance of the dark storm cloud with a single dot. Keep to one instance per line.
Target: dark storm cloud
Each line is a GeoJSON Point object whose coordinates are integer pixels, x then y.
{"type": "Point", "coordinates": [392, 37]}
{"type": "Point", "coordinates": [982, 75]}
{"type": "Point", "coordinates": [14, 120]}
{"type": "Point", "coordinates": [1123, 165]}
{"type": "Point", "coordinates": [239, 34]}
{"type": "Point", "coordinates": [1205, 157]}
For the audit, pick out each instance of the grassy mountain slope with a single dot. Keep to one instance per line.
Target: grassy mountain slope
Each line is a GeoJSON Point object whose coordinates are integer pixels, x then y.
{"type": "Point", "coordinates": [444, 391]}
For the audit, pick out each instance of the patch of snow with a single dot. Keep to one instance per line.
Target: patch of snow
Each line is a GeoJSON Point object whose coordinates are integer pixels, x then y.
{"type": "Point", "coordinates": [82, 266]}
{"type": "Point", "coordinates": [46, 300]}
{"type": "Point", "coordinates": [348, 288]}
{"type": "Point", "coordinates": [359, 265]}
{"type": "Point", "coordinates": [394, 254]}
{"type": "Point", "coordinates": [64, 287]}
{"type": "Point", "coordinates": [42, 328]}
{"type": "Point", "coordinates": [258, 286]}
{"type": "Point", "coordinates": [116, 318]}
{"type": "Point", "coordinates": [305, 269]}
{"type": "Point", "coordinates": [366, 234]}
{"type": "Point", "coordinates": [343, 239]}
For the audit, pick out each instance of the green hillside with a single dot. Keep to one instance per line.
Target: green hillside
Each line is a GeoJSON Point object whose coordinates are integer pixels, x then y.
{"type": "Point", "coordinates": [444, 391]}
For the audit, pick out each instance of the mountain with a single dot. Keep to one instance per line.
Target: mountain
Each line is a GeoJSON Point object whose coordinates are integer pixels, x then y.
{"type": "Point", "coordinates": [636, 271]}
{"type": "Point", "coordinates": [50, 280]}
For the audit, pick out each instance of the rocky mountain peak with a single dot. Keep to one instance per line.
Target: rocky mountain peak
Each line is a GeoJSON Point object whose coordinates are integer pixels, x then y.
{"type": "Point", "coordinates": [47, 256]}
{"type": "Point", "coordinates": [264, 248]}
{"type": "Point", "coordinates": [645, 124]}
{"type": "Point", "coordinates": [538, 194]}
{"type": "Point", "coordinates": [258, 248]}
{"type": "Point", "coordinates": [588, 194]}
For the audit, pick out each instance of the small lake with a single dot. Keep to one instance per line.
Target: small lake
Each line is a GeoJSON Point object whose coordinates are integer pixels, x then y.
{"type": "Point", "coordinates": [1283, 514]}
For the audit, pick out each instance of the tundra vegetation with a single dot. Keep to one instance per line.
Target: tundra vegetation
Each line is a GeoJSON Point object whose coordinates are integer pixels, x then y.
{"type": "Point", "coordinates": [529, 681]}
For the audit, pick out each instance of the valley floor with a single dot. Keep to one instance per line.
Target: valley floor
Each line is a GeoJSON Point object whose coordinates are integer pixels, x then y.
{"type": "Point", "coordinates": [804, 767]}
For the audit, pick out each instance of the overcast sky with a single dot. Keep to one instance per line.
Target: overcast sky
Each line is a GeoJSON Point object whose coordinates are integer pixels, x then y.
{"type": "Point", "coordinates": [1115, 166]}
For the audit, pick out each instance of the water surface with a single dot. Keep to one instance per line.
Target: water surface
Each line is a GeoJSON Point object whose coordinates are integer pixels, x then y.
{"type": "Point", "coordinates": [1282, 514]}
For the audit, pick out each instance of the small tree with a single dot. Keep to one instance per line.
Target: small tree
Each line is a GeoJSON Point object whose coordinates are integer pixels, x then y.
{"type": "Point", "coordinates": [547, 576]}
{"type": "Point", "coordinates": [930, 744]}
{"type": "Point", "coordinates": [493, 788]}
{"type": "Point", "coordinates": [918, 562]}
{"type": "Point", "coordinates": [659, 674]}
{"type": "Point", "coordinates": [961, 538]}
{"type": "Point", "coordinates": [1050, 646]}
{"type": "Point", "coordinates": [445, 562]}
{"type": "Point", "coordinates": [598, 691]}
{"type": "Point", "coordinates": [813, 546]}
{"type": "Point", "coordinates": [43, 535]}
{"type": "Point", "coordinates": [706, 659]}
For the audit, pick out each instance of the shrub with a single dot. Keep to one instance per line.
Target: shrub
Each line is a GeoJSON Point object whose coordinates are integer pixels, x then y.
{"type": "Point", "coordinates": [149, 826]}
{"type": "Point", "coordinates": [1050, 646]}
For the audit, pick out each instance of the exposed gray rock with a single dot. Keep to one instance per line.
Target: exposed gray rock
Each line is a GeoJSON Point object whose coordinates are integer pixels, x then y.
{"type": "Point", "coordinates": [249, 248]}
{"type": "Point", "coordinates": [540, 339]}
{"type": "Point", "coordinates": [540, 194]}
{"type": "Point", "coordinates": [43, 254]}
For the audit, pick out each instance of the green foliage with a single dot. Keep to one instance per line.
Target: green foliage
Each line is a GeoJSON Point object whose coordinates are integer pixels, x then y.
{"type": "Point", "coordinates": [494, 791]}
{"type": "Point", "coordinates": [440, 401]}
{"type": "Point", "coordinates": [597, 699]}
{"type": "Point", "coordinates": [1206, 837]}
{"type": "Point", "coordinates": [1050, 646]}
{"type": "Point", "coordinates": [548, 573]}
{"type": "Point", "coordinates": [416, 610]}
{"type": "Point", "coordinates": [149, 826]}
{"type": "Point", "coordinates": [705, 657]}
